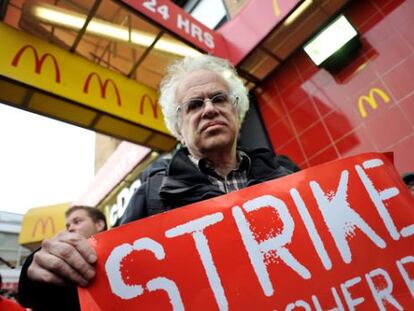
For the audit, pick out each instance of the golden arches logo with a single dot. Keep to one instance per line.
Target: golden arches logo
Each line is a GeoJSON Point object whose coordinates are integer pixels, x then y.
{"type": "Point", "coordinates": [38, 60]}
{"type": "Point", "coordinates": [146, 98]}
{"type": "Point", "coordinates": [371, 99]}
{"type": "Point", "coordinates": [103, 86]}
{"type": "Point", "coordinates": [43, 223]}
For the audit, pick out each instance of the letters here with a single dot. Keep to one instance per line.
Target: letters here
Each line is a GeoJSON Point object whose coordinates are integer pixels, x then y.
{"type": "Point", "coordinates": [339, 236]}
{"type": "Point", "coordinates": [177, 20]}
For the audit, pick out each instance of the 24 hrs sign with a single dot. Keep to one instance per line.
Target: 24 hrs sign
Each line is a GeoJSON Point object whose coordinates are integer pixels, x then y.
{"type": "Point", "coordinates": [175, 19]}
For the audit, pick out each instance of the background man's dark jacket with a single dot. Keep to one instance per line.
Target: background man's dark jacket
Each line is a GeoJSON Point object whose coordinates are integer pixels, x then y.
{"type": "Point", "coordinates": [43, 297]}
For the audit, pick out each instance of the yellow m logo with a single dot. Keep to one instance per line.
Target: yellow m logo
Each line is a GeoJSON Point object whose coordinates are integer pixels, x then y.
{"type": "Point", "coordinates": [43, 224]}
{"type": "Point", "coordinates": [371, 99]}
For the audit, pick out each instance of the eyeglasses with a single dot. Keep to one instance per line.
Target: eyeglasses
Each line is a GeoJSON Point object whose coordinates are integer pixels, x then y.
{"type": "Point", "coordinates": [219, 100]}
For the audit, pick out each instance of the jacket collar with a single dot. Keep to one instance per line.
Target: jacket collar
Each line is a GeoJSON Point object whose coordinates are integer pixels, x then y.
{"type": "Point", "coordinates": [185, 183]}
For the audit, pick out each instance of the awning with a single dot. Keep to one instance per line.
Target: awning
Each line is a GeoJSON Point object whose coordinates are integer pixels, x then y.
{"type": "Point", "coordinates": [98, 64]}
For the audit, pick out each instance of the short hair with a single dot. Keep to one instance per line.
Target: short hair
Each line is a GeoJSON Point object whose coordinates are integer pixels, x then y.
{"type": "Point", "coordinates": [180, 69]}
{"type": "Point", "coordinates": [93, 213]}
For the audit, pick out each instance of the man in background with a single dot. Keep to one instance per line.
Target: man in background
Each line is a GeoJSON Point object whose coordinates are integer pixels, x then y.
{"type": "Point", "coordinates": [81, 222]}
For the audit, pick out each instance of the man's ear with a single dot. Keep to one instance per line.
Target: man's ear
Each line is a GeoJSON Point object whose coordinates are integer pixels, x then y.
{"type": "Point", "coordinates": [100, 225]}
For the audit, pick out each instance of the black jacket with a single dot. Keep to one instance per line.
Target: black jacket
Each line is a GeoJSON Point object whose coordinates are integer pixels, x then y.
{"type": "Point", "coordinates": [182, 183]}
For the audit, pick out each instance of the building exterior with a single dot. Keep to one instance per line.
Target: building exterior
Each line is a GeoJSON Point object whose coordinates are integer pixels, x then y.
{"type": "Point", "coordinates": [12, 254]}
{"type": "Point", "coordinates": [314, 116]}
{"type": "Point", "coordinates": [117, 179]}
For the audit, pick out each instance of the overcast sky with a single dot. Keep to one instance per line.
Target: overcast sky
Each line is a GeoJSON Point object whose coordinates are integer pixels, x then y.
{"type": "Point", "coordinates": [42, 161]}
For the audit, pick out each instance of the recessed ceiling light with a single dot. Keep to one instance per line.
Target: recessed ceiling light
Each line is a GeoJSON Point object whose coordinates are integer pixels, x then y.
{"type": "Point", "coordinates": [331, 39]}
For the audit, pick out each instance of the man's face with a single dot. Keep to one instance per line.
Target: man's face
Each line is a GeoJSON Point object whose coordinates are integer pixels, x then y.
{"type": "Point", "coordinates": [213, 127]}
{"type": "Point", "coordinates": [80, 222]}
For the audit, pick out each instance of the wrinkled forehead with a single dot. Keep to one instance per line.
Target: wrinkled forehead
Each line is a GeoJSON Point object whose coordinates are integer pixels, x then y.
{"type": "Point", "coordinates": [201, 83]}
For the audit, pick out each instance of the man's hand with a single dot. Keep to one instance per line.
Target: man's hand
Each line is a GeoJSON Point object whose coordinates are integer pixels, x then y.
{"type": "Point", "coordinates": [65, 258]}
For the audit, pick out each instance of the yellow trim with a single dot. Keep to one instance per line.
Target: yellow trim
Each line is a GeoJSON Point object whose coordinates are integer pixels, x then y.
{"type": "Point", "coordinates": [34, 62]}
{"type": "Point", "coordinates": [42, 223]}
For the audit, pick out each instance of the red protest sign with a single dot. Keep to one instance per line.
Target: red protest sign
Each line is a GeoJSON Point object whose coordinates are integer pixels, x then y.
{"type": "Point", "coordinates": [339, 235]}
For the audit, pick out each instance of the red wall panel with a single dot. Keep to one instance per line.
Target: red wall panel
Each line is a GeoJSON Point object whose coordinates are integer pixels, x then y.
{"type": "Point", "coordinates": [314, 117]}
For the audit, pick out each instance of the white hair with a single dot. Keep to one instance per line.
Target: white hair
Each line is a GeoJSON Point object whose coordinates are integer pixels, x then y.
{"type": "Point", "coordinates": [180, 69]}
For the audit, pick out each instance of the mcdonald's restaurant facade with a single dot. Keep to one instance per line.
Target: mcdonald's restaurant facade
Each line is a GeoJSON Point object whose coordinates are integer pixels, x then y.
{"type": "Point", "coordinates": [298, 109]}
{"type": "Point", "coordinates": [315, 117]}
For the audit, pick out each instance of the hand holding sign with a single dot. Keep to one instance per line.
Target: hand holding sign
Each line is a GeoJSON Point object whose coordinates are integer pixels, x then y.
{"type": "Point", "coordinates": [65, 257]}
{"type": "Point", "coordinates": [339, 235]}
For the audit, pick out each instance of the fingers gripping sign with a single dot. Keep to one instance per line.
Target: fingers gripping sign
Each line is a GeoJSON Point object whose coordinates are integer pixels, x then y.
{"type": "Point", "coordinates": [65, 258]}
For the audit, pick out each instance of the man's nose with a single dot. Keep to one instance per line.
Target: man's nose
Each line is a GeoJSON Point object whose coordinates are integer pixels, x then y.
{"type": "Point", "coordinates": [209, 109]}
{"type": "Point", "coordinates": [71, 228]}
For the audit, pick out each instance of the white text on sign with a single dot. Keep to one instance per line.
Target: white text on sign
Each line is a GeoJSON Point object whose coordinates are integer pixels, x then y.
{"type": "Point", "coordinates": [340, 218]}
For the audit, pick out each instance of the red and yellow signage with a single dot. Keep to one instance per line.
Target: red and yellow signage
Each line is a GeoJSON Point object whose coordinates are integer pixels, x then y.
{"type": "Point", "coordinates": [44, 66]}
{"type": "Point", "coordinates": [42, 223]}
{"type": "Point", "coordinates": [336, 236]}
{"type": "Point", "coordinates": [38, 61]}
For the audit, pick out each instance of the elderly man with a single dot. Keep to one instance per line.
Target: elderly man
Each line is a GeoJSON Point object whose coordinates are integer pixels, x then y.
{"type": "Point", "coordinates": [41, 267]}
{"type": "Point", "coordinates": [204, 103]}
